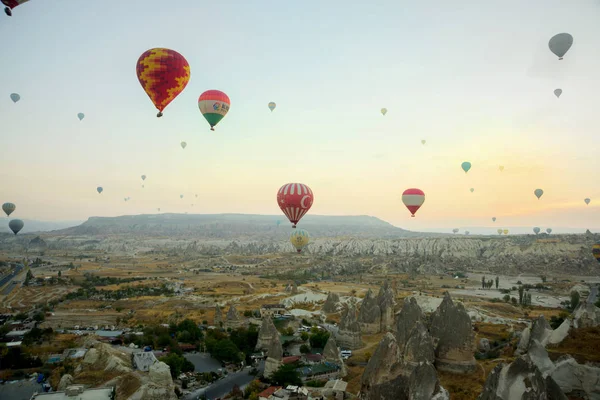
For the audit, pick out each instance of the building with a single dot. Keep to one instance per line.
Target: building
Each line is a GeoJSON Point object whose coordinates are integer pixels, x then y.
{"type": "Point", "coordinates": [321, 371]}
{"type": "Point", "coordinates": [270, 310]}
{"type": "Point", "coordinates": [77, 392]}
{"type": "Point", "coordinates": [268, 392]}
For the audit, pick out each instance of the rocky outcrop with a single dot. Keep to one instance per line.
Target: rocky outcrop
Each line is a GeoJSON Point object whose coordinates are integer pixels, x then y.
{"type": "Point", "coordinates": [294, 288]}
{"type": "Point", "coordinates": [520, 380]}
{"type": "Point", "coordinates": [218, 316]}
{"type": "Point", "coordinates": [158, 386]}
{"type": "Point", "coordinates": [542, 332]}
{"type": "Point", "coordinates": [266, 334]}
{"type": "Point", "coordinates": [349, 333]}
{"type": "Point", "coordinates": [406, 319]}
{"type": "Point", "coordinates": [453, 337]}
{"type": "Point", "coordinates": [274, 357]}
{"type": "Point", "coordinates": [587, 315]}
{"type": "Point", "coordinates": [386, 300]}
{"type": "Point", "coordinates": [234, 320]}
{"type": "Point", "coordinates": [419, 346]}
{"type": "Point", "coordinates": [103, 357]}
{"type": "Point", "coordinates": [369, 315]}
{"type": "Point", "coordinates": [332, 304]}
{"type": "Point", "coordinates": [331, 353]}
{"type": "Point", "coordinates": [37, 243]}
{"type": "Point", "coordinates": [65, 380]}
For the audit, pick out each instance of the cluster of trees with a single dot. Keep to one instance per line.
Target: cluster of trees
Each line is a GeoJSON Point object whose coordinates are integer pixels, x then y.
{"type": "Point", "coordinates": [92, 280]}
{"type": "Point", "coordinates": [178, 364]}
{"type": "Point", "coordinates": [15, 358]}
{"type": "Point", "coordinates": [235, 347]}
{"type": "Point", "coordinates": [126, 292]}
{"type": "Point", "coordinates": [485, 284]}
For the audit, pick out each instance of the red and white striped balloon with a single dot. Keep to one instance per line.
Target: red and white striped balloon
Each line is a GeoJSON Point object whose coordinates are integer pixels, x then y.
{"type": "Point", "coordinates": [413, 199]}
{"type": "Point", "coordinates": [294, 199]}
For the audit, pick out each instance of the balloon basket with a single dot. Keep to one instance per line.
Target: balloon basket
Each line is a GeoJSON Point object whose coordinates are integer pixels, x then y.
{"type": "Point", "coordinates": [212, 128]}
{"type": "Point", "coordinates": [160, 114]}
{"type": "Point", "coordinates": [412, 216]}
{"type": "Point", "coordinates": [294, 226]}
{"type": "Point", "coordinates": [8, 11]}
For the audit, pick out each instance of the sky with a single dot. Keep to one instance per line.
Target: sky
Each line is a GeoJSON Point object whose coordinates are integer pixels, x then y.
{"type": "Point", "coordinates": [474, 79]}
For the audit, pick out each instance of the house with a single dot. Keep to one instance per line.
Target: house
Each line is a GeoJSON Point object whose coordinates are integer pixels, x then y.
{"type": "Point", "coordinates": [290, 359]}
{"type": "Point", "coordinates": [321, 371]}
{"type": "Point", "coordinates": [77, 392]}
{"type": "Point", "coordinates": [74, 353]}
{"type": "Point", "coordinates": [290, 393]}
{"type": "Point", "coordinates": [143, 360]}
{"type": "Point", "coordinates": [17, 334]}
{"type": "Point", "coordinates": [271, 310]}
{"type": "Point", "coordinates": [312, 358]}
{"type": "Point", "coordinates": [268, 392]}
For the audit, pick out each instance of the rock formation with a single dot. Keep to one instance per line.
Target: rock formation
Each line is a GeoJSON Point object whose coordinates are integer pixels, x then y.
{"type": "Point", "coordinates": [348, 335]}
{"type": "Point", "coordinates": [266, 334]}
{"type": "Point", "coordinates": [520, 380]}
{"type": "Point", "coordinates": [406, 319]}
{"type": "Point", "coordinates": [369, 315]}
{"type": "Point", "coordinates": [586, 315]}
{"type": "Point", "coordinates": [294, 288]}
{"type": "Point", "coordinates": [541, 331]}
{"type": "Point", "coordinates": [274, 356]}
{"type": "Point", "coordinates": [419, 346]}
{"type": "Point", "coordinates": [453, 337]}
{"type": "Point", "coordinates": [386, 300]}
{"type": "Point", "coordinates": [331, 354]}
{"type": "Point", "coordinates": [233, 320]}
{"type": "Point", "coordinates": [332, 304]}
{"type": "Point", "coordinates": [103, 357]}
{"type": "Point", "coordinates": [65, 380]}
{"type": "Point", "coordinates": [218, 317]}
{"type": "Point", "coordinates": [158, 386]}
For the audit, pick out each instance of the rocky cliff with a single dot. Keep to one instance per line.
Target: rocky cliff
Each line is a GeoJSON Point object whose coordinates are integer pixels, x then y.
{"type": "Point", "coordinates": [332, 304]}
{"type": "Point", "coordinates": [266, 334]}
{"type": "Point", "coordinates": [349, 334]}
{"type": "Point", "coordinates": [274, 356]}
{"type": "Point", "coordinates": [369, 315]}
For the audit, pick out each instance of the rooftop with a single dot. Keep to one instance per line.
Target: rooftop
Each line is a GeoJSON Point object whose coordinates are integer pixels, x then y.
{"type": "Point", "coordinates": [269, 306]}
{"type": "Point", "coordinates": [269, 391]}
{"type": "Point", "coordinates": [79, 394]}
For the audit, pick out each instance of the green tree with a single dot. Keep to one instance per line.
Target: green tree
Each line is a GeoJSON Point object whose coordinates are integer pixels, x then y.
{"type": "Point", "coordinates": [304, 336]}
{"type": "Point", "coordinates": [483, 282]}
{"type": "Point", "coordinates": [178, 364]}
{"type": "Point", "coordinates": [513, 300]}
{"type": "Point", "coordinates": [506, 298]}
{"type": "Point", "coordinates": [319, 339]}
{"type": "Point", "coordinates": [544, 278]}
{"type": "Point", "coordinates": [286, 375]}
{"type": "Point", "coordinates": [304, 349]}
{"type": "Point", "coordinates": [521, 290]}
{"type": "Point", "coordinates": [39, 317]}
{"type": "Point", "coordinates": [59, 274]}
{"type": "Point", "coordinates": [574, 299]}
{"type": "Point", "coordinates": [497, 282]}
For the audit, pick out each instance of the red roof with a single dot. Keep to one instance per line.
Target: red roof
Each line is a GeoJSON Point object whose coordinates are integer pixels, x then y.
{"type": "Point", "coordinates": [313, 357]}
{"type": "Point", "coordinates": [269, 391]}
{"type": "Point", "coordinates": [290, 359]}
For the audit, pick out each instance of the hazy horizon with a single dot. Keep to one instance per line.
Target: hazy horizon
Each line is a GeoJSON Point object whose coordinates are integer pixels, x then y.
{"type": "Point", "coordinates": [475, 80]}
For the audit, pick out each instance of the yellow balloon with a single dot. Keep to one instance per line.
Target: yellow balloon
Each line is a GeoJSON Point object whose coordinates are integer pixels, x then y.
{"type": "Point", "coordinates": [506, 231]}
{"type": "Point", "coordinates": [299, 239]}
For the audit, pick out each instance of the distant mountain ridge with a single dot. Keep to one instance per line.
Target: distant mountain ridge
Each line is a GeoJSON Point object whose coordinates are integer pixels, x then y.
{"type": "Point", "coordinates": [225, 226]}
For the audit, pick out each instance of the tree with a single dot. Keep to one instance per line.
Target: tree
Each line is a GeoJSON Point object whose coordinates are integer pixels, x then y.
{"type": "Point", "coordinates": [497, 282]}
{"type": "Point", "coordinates": [178, 364]}
{"type": "Point", "coordinates": [319, 339]}
{"type": "Point", "coordinates": [304, 349]}
{"type": "Point", "coordinates": [236, 392]}
{"type": "Point", "coordinates": [544, 278]}
{"type": "Point", "coordinates": [513, 301]}
{"type": "Point", "coordinates": [574, 299]}
{"type": "Point", "coordinates": [286, 375]}
{"type": "Point", "coordinates": [59, 274]}
{"type": "Point", "coordinates": [521, 290]}
{"type": "Point", "coordinates": [304, 336]}
{"type": "Point", "coordinates": [483, 282]}
{"type": "Point", "coordinates": [506, 298]}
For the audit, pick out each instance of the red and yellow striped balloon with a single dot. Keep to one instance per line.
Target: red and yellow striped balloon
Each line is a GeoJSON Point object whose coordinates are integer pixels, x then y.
{"type": "Point", "coordinates": [413, 199]}
{"type": "Point", "coordinates": [163, 73]}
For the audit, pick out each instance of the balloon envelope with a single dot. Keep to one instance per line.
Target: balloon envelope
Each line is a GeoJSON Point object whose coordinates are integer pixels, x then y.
{"type": "Point", "coordinates": [499, 231]}
{"type": "Point", "coordinates": [183, 145]}
{"type": "Point", "coordinates": [536, 230]}
{"type": "Point", "coordinates": [472, 190]}
{"type": "Point", "coordinates": [272, 106]}
{"type": "Point", "coordinates": [299, 239]}
{"type": "Point", "coordinates": [549, 231]}
{"type": "Point", "coordinates": [466, 166]}
{"type": "Point", "coordinates": [557, 92]}
{"type": "Point", "coordinates": [99, 189]}
{"type": "Point", "coordinates": [501, 168]}
{"type": "Point", "coordinates": [413, 199]}
{"type": "Point", "coordinates": [467, 232]}
{"type": "Point", "coordinates": [494, 219]}
{"type": "Point", "coordinates": [213, 105]}
{"type": "Point", "coordinates": [181, 196]}
{"type": "Point", "coordinates": [423, 141]}
{"type": "Point", "coordinates": [587, 201]}
{"type": "Point", "coordinates": [8, 208]}
{"type": "Point", "coordinates": [384, 111]}
{"type": "Point", "coordinates": [596, 251]}
{"type": "Point", "coordinates": [143, 177]}
{"type": "Point", "coordinates": [505, 231]}
{"type": "Point", "coordinates": [15, 97]}
{"type": "Point", "coordinates": [295, 199]}
{"type": "Point", "coordinates": [81, 116]}
{"type": "Point", "coordinates": [561, 43]}
{"type": "Point", "coordinates": [538, 193]}
{"type": "Point", "coordinates": [15, 225]}
{"type": "Point", "coordinates": [163, 73]}
{"type": "Point", "coordinates": [455, 230]}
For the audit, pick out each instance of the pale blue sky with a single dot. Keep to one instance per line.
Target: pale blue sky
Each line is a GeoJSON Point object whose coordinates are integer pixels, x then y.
{"type": "Point", "coordinates": [475, 79]}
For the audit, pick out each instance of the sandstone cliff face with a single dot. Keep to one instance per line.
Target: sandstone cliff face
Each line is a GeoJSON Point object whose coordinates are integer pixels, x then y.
{"type": "Point", "coordinates": [331, 353]}
{"type": "Point", "coordinates": [233, 320]}
{"type": "Point", "coordinates": [266, 334]}
{"type": "Point", "coordinates": [274, 356]}
{"type": "Point", "coordinates": [406, 319]}
{"type": "Point", "coordinates": [349, 333]}
{"type": "Point", "coordinates": [369, 316]}
{"type": "Point", "coordinates": [158, 386]}
{"type": "Point", "coordinates": [218, 316]}
{"type": "Point", "coordinates": [453, 337]}
{"type": "Point", "coordinates": [332, 304]}
{"type": "Point", "coordinates": [387, 301]}
{"type": "Point", "coordinates": [587, 315]}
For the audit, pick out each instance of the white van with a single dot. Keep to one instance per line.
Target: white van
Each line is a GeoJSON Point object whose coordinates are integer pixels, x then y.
{"type": "Point", "coordinates": [346, 354]}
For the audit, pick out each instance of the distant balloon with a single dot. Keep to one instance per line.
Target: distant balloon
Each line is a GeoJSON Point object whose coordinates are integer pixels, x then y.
{"type": "Point", "coordinates": [183, 145]}
{"type": "Point", "coordinates": [467, 233]}
{"type": "Point", "coordinates": [499, 231]}
{"type": "Point", "coordinates": [143, 177]}
{"type": "Point", "coordinates": [10, 4]}
{"type": "Point", "coordinates": [423, 141]}
{"type": "Point", "coordinates": [413, 199]}
{"type": "Point", "coordinates": [299, 239]}
{"type": "Point", "coordinates": [128, 198]}
{"type": "Point", "coordinates": [587, 201]}
{"type": "Point", "coordinates": [214, 105]}
{"type": "Point", "coordinates": [8, 208]}
{"type": "Point", "coordinates": [295, 199]}
{"type": "Point", "coordinates": [557, 92]}
{"type": "Point", "coordinates": [538, 193]}
{"type": "Point", "coordinates": [272, 106]}
{"type": "Point", "coordinates": [15, 225]}
{"type": "Point", "coordinates": [125, 198]}
{"type": "Point", "coordinates": [99, 189]}
{"type": "Point", "coordinates": [181, 196]}
{"type": "Point", "coordinates": [196, 195]}
{"type": "Point", "coordinates": [501, 168]}
{"type": "Point", "coordinates": [549, 231]}
{"type": "Point", "coordinates": [466, 166]}
{"type": "Point", "coordinates": [384, 111]}
{"type": "Point", "coordinates": [15, 97]}
{"type": "Point", "coordinates": [81, 116]}
{"type": "Point", "coordinates": [278, 222]}
{"type": "Point", "coordinates": [494, 219]}
{"type": "Point", "coordinates": [536, 230]}
{"type": "Point", "coordinates": [505, 231]}
{"type": "Point", "coordinates": [158, 209]}
{"type": "Point", "coordinates": [560, 44]}
{"type": "Point", "coordinates": [596, 251]}
{"type": "Point", "coordinates": [455, 230]}
{"type": "Point", "coordinates": [472, 190]}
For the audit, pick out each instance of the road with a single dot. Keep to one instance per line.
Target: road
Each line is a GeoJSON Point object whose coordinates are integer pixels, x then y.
{"type": "Point", "coordinates": [9, 280]}
{"type": "Point", "coordinates": [222, 387]}
{"type": "Point", "coordinates": [593, 296]}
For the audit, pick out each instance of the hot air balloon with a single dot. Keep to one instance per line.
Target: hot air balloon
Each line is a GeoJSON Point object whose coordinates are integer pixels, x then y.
{"type": "Point", "coordinates": [384, 111]}
{"type": "Point", "coordinates": [295, 199]}
{"type": "Point", "coordinates": [560, 44]}
{"type": "Point", "coordinates": [499, 231]}
{"type": "Point", "coordinates": [15, 97]}
{"type": "Point", "coordinates": [128, 198]}
{"type": "Point", "coordinates": [278, 222]}
{"type": "Point", "coordinates": [501, 168]}
{"type": "Point", "coordinates": [466, 166]}
{"type": "Point", "coordinates": [272, 106]}
{"type": "Point", "coordinates": [10, 4]}
{"type": "Point", "coordinates": [596, 251]}
{"type": "Point", "coordinates": [181, 196]}
{"type": "Point", "coordinates": [538, 193]}
{"type": "Point", "coordinates": [587, 201]}
{"type": "Point", "coordinates": [143, 177]}
{"type": "Point", "coordinates": [472, 190]}
{"type": "Point", "coordinates": [505, 231]}
{"type": "Point", "coordinates": [163, 73]}
{"type": "Point", "coordinates": [99, 189]}
{"type": "Point", "coordinates": [158, 209]}
{"type": "Point", "coordinates": [15, 225]}
{"type": "Point", "coordinates": [413, 199]}
{"type": "Point", "coordinates": [455, 230]}
{"type": "Point", "coordinates": [8, 208]}
{"type": "Point", "coordinates": [183, 145]}
{"type": "Point", "coordinates": [125, 198]}
{"type": "Point", "coordinates": [549, 231]}
{"type": "Point", "coordinates": [214, 105]}
{"type": "Point", "coordinates": [299, 239]}
{"type": "Point", "coordinates": [467, 233]}
{"type": "Point", "coordinates": [557, 92]}
{"type": "Point", "coordinates": [423, 141]}
{"type": "Point", "coordinates": [196, 195]}
{"type": "Point", "coordinates": [81, 116]}
{"type": "Point", "coordinates": [536, 230]}
{"type": "Point", "coordinates": [494, 219]}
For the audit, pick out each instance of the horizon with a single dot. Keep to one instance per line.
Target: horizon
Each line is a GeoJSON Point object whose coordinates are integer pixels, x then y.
{"type": "Point", "coordinates": [479, 90]}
